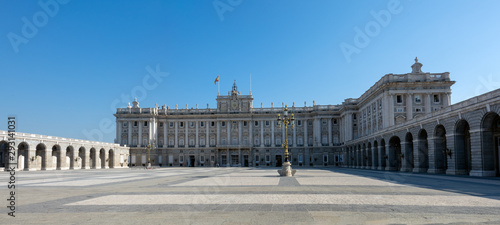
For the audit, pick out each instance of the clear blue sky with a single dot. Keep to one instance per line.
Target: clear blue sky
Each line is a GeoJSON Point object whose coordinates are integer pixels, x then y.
{"type": "Point", "coordinates": [88, 57]}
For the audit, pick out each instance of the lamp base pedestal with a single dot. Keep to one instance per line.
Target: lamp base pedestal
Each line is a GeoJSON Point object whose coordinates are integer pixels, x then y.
{"type": "Point", "coordinates": [286, 170]}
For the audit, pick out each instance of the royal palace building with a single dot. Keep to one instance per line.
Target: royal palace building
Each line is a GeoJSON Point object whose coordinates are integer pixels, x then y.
{"type": "Point", "coordinates": [400, 123]}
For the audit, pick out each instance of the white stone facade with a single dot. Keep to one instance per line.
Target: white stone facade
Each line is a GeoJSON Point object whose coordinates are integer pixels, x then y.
{"type": "Point", "coordinates": [237, 134]}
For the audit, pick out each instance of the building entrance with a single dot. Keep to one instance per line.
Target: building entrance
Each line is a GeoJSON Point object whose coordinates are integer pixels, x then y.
{"type": "Point", "coordinates": [278, 161]}
{"type": "Point", "coordinates": [245, 160]}
{"type": "Point", "coordinates": [191, 160]}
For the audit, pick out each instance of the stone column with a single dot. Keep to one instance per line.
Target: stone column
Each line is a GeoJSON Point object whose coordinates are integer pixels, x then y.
{"type": "Point", "coordinates": [250, 134]}
{"type": "Point", "coordinates": [404, 162]}
{"type": "Point", "coordinates": [186, 135]}
{"type": "Point", "coordinates": [272, 134]}
{"type": "Point", "coordinates": [262, 133]}
{"type": "Point", "coordinates": [409, 107]}
{"type": "Point", "coordinates": [428, 104]}
{"type": "Point", "coordinates": [106, 159]}
{"type": "Point", "coordinates": [228, 132]}
{"type": "Point", "coordinates": [196, 141]}
{"type": "Point", "coordinates": [418, 156]}
{"type": "Point", "coordinates": [119, 126]}
{"type": "Point", "coordinates": [295, 136]}
{"type": "Point", "coordinates": [476, 157]}
{"type": "Point", "coordinates": [62, 158]}
{"type": "Point", "coordinates": [330, 143]}
{"type": "Point", "coordinates": [374, 160]}
{"type": "Point", "coordinates": [86, 158]}
{"type": "Point", "coordinates": [432, 156]}
{"type": "Point", "coordinates": [240, 133]}
{"type": "Point", "coordinates": [228, 162]}
{"type": "Point", "coordinates": [306, 135]}
{"type": "Point", "coordinates": [218, 134]}
{"type": "Point", "coordinates": [165, 134]}
{"type": "Point", "coordinates": [380, 157]}
{"type": "Point", "coordinates": [129, 141]}
{"type": "Point", "coordinates": [316, 132]}
{"type": "Point", "coordinates": [391, 110]}
{"type": "Point", "coordinates": [176, 134]}
{"type": "Point", "coordinates": [139, 139]}
{"type": "Point", "coordinates": [207, 134]}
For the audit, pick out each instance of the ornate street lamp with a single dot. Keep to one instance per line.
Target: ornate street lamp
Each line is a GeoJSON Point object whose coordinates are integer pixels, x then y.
{"type": "Point", "coordinates": [285, 120]}
{"type": "Point", "coordinates": [148, 147]}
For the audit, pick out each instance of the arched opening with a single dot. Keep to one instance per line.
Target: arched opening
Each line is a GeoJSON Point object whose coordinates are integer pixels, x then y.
{"type": "Point", "coordinates": [70, 157]}
{"type": "Point", "coordinates": [395, 153]}
{"type": "Point", "coordinates": [102, 158]}
{"type": "Point", "coordinates": [24, 157]}
{"type": "Point", "coordinates": [56, 157]}
{"type": "Point", "coordinates": [92, 158]}
{"type": "Point", "coordinates": [440, 149]}
{"type": "Point", "coordinates": [369, 153]}
{"type": "Point", "coordinates": [422, 160]}
{"type": "Point", "coordinates": [111, 159]}
{"type": "Point", "coordinates": [80, 162]}
{"type": "Point", "coordinates": [408, 154]}
{"type": "Point", "coordinates": [375, 155]}
{"type": "Point", "coordinates": [383, 155]}
{"type": "Point", "coordinates": [41, 163]}
{"type": "Point", "coordinates": [490, 141]}
{"type": "Point", "coordinates": [463, 156]}
{"type": "Point", "coordinates": [4, 154]}
{"type": "Point", "coordinates": [364, 156]}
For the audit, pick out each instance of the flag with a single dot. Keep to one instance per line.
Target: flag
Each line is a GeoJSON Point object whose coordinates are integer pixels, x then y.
{"type": "Point", "coordinates": [216, 80]}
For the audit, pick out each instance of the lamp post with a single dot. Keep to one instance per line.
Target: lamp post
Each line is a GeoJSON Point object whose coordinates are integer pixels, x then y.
{"type": "Point", "coordinates": [148, 147]}
{"type": "Point", "coordinates": [285, 120]}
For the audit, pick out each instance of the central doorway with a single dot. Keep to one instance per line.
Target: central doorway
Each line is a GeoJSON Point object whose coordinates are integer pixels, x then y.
{"type": "Point", "coordinates": [245, 160]}
{"type": "Point", "coordinates": [191, 160]}
{"type": "Point", "coordinates": [278, 161]}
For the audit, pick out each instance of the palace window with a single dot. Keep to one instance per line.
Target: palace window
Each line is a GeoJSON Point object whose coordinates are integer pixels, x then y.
{"type": "Point", "coordinates": [171, 124]}
{"type": "Point", "coordinates": [299, 122]}
{"type": "Point", "coordinates": [257, 158]}
{"type": "Point", "coordinates": [268, 158]}
{"type": "Point", "coordinates": [399, 99]}
{"type": "Point", "coordinates": [301, 158]}
{"type": "Point", "coordinates": [145, 123]}
{"type": "Point", "coordinates": [418, 99]}
{"type": "Point", "coordinates": [245, 123]}
{"type": "Point", "coordinates": [334, 121]}
{"type": "Point", "coordinates": [267, 123]}
{"type": "Point", "coordinates": [202, 124]}
{"type": "Point", "coordinates": [161, 124]}
{"type": "Point", "coordinates": [191, 124]}
{"type": "Point", "coordinates": [310, 122]}
{"type": "Point", "coordinates": [181, 159]}
{"type": "Point", "coordinates": [399, 110]}
{"type": "Point", "coordinates": [256, 123]}
{"type": "Point", "coordinates": [418, 109]}
{"type": "Point", "coordinates": [202, 158]}
{"type": "Point", "coordinates": [181, 124]}
{"type": "Point", "coordinates": [135, 123]}
{"type": "Point", "coordinates": [324, 122]}
{"type": "Point", "coordinates": [223, 123]}
{"type": "Point", "coordinates": [212, 124]}
{"type": "Point", "coordinates": [124, 124]}
{"type": "Point", "coordinates": [212, 158]}
{"type": "Point", "coordinates": [436, 98]}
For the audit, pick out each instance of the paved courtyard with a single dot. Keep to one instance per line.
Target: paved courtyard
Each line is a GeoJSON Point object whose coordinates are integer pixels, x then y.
{"type": "Point", "coordinates": [249, 196]}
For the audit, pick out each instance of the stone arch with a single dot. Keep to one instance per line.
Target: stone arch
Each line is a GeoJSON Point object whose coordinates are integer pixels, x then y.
{"type": "Point", "coordinates": [40, 157]}
{"type": "Point", "coordinates": [102, 158]}
{"type": "Point", "coordinates": [56, 160]}
{"type": "Point", "coordinates": [70, 156]}
{"type": "Point", "coordinates": [440, 160]}
{"type": "Point", "coordinates": [490, 144]}
{"type": "Point", "coordinates": [4, 154]}
{"type": "Point", "coordinates": [375, 155]}
{"type": "Point", "coordinates": [92, 158]}
{"type": "Point", "coordinates": [111, 159]}
{"type": "Point", "coordinates": [23, 156]}
{"type": "Point", "coordinates": [422, 157]}
{"type": "Point", "coordinates": [383, 155]}
{"type": "Point", "coordinates": [408, 153]}
{"type": "Point", "coordinates": [370, 156]}
{"type": "Point", "coordinates": [463, 156]}
{"type": "Point", "coordinates": [394, 153]}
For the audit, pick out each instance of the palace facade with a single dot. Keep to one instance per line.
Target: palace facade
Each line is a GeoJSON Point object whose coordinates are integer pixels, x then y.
{"type": "Point", "coordinates": [238, 134]}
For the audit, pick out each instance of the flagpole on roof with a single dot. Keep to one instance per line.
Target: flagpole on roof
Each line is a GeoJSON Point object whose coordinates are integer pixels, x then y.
{"type": "Point", "coordinates": [218, 86]}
